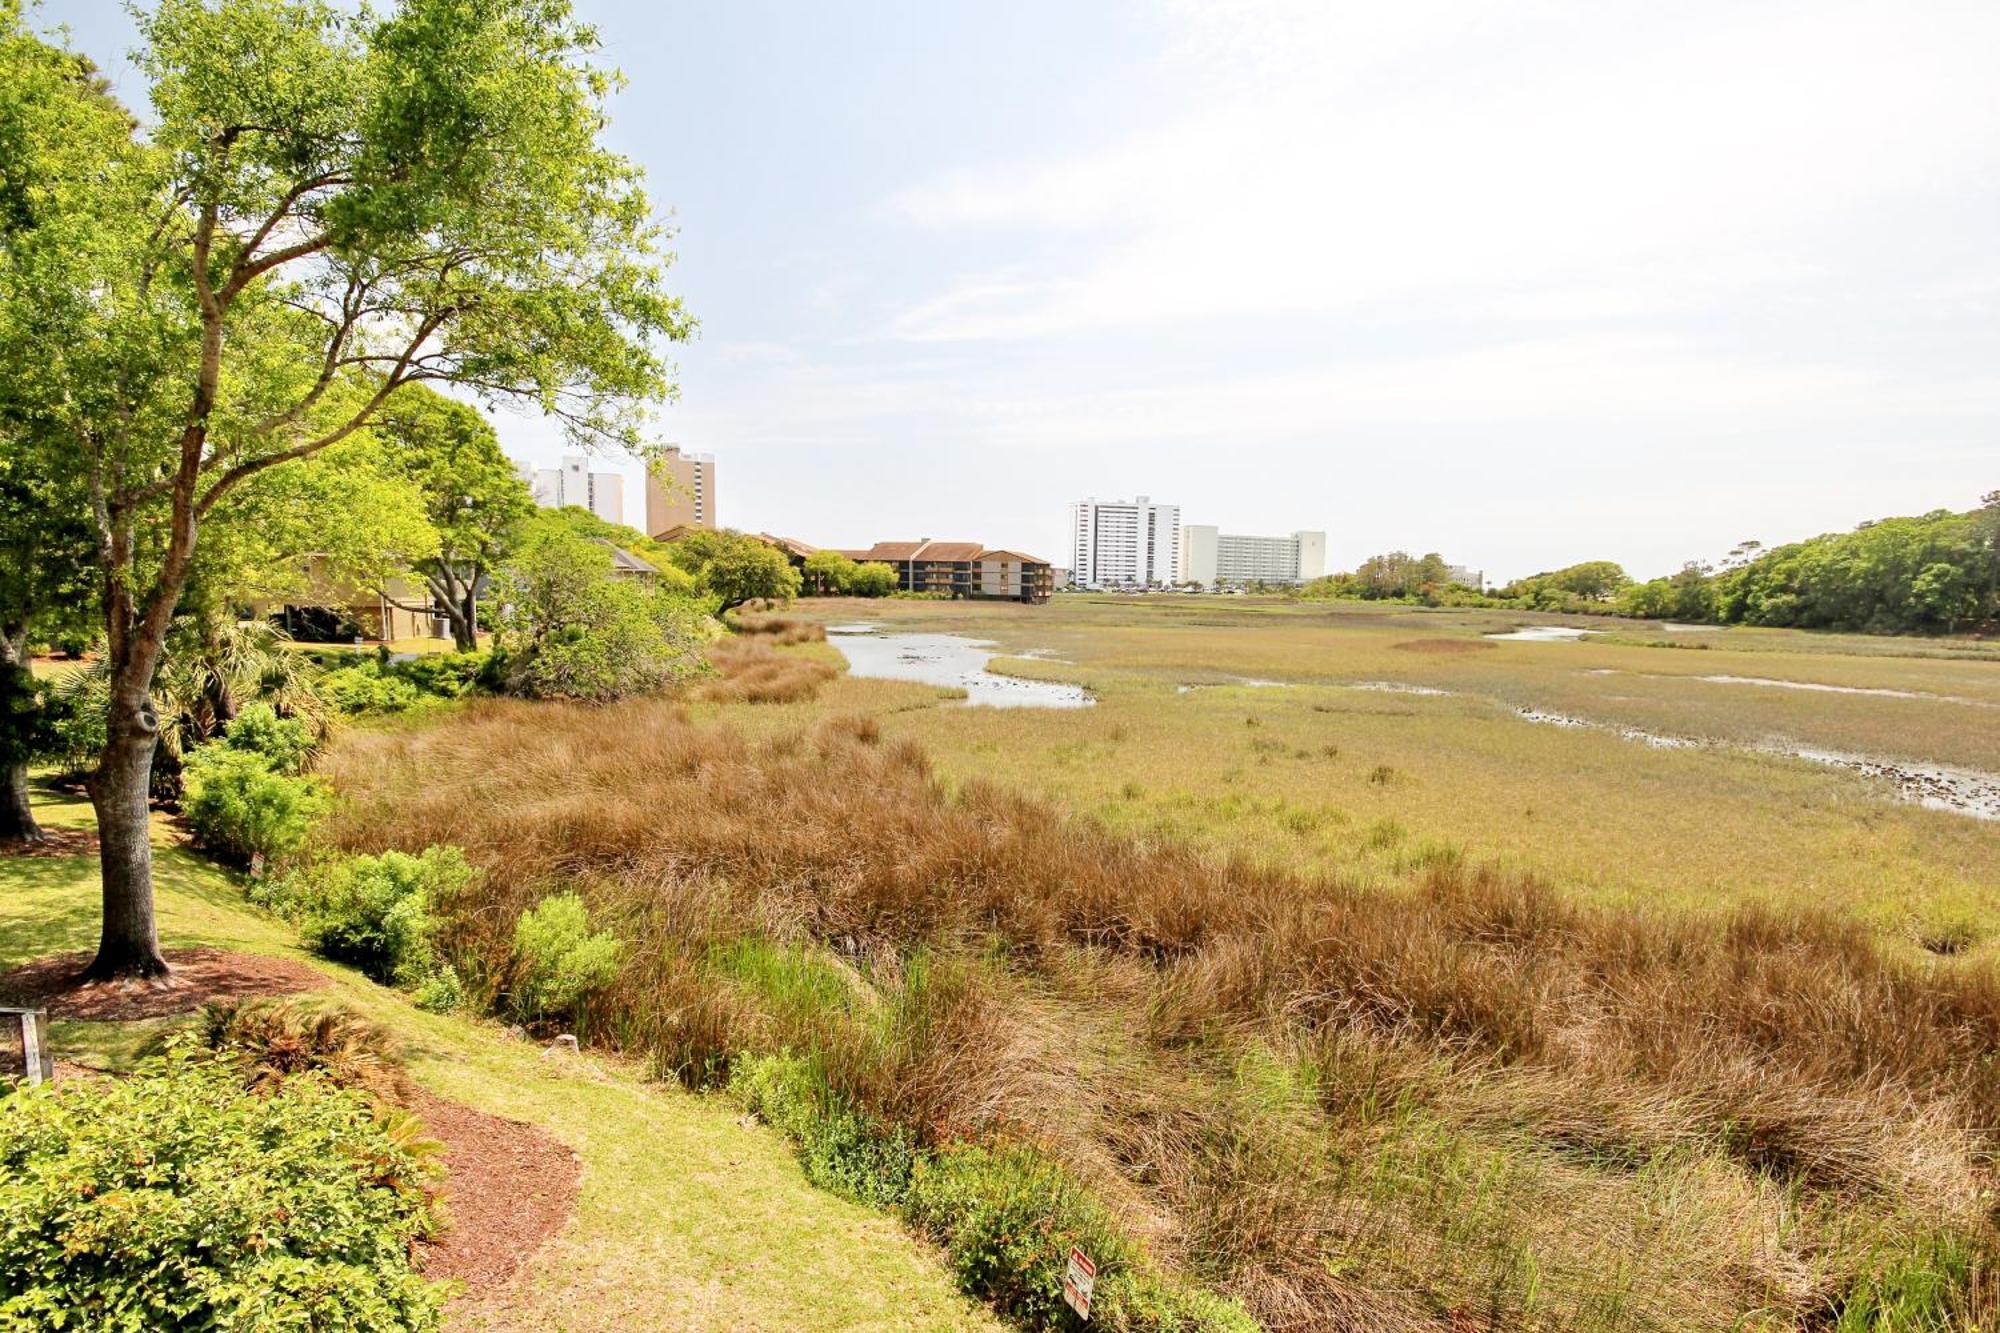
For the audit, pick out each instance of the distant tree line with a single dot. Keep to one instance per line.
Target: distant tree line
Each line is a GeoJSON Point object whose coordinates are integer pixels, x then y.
{"type": "Point", "coordinates": [1935, 573]}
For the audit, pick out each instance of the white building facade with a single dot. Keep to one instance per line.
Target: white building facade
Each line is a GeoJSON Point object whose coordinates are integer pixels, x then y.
{"type": "Point", "coordinates": [1124, 543]}
{"type": "Point", "coordinates": [602, 493]}
{"type": "Point", "coordinates": [1213, 558]}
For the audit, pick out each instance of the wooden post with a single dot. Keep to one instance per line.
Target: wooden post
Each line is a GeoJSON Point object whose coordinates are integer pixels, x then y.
{"type": "Point", "coordinates": [37, 1060]}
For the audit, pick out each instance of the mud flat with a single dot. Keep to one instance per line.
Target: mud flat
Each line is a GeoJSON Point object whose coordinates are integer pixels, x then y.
{"type": "Point", "coordinates": [951, 660]}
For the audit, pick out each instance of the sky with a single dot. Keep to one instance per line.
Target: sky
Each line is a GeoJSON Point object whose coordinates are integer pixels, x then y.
{"type": "Point", "coordinates": [1525, 283]}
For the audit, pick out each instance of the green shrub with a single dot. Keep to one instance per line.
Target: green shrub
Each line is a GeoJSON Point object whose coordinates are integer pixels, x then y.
{"type": "Point", "coordinates": [177, 1198]}
{"type": "Point", "coordinates": [842, 1148]}
{"type": "Point", "coordinates": [445, 675]}
{"type": "Point", "coordinates": [375, 912]}
{"type": "Point", "coordinates": [243, 810]}
{"type": "Point", "coordinates": [1008, 1217]}
{"type": "Point", "coordinates": [285, 742]}
{"type": "Point", "coordinates": [364, 688]}
{"type": "Point", "coordinates": [557, 960]}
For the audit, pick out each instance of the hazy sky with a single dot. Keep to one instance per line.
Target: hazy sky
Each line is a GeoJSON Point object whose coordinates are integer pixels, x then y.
{"type": "Point", "coordinates": [1524, 282]}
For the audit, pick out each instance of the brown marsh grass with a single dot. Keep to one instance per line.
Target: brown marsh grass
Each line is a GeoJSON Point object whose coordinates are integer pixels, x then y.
{"type": "Point", "coordinates": [782, 630]}
{"type": "Point", "coordinates": [750, 671]}
{"type": "Point", "coordinates": [1464, 1101]}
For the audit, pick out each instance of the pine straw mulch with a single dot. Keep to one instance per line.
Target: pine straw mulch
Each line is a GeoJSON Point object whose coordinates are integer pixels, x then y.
{"type": "Point", "coordinates": [198, 977]}
{"type": "Point", "coordinates": [510, 1189]}
{"type": "Point", "coordinates": [57, 841]}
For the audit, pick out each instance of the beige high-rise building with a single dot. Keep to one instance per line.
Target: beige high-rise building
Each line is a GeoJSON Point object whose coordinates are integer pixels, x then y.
{"type": "Point", "coordinates": [680, 492]}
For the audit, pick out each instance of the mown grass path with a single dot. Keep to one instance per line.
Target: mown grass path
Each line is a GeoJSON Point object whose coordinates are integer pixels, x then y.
{"type": "Point", "coordinates": [691, 1216]}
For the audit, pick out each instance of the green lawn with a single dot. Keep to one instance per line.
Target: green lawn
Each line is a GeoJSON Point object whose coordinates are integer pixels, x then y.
{"type": "Point", "coordinates": [691, 1216]}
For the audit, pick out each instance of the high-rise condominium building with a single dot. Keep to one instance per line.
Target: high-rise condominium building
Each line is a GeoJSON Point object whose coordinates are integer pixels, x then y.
{"type": "Point", "coordinates": [680, 492]}
{"type": "Point", "coordinates": [1214, 558]}
{"type": "Point", "coordinates": [1124, 543]}
{"type": "Point", "coordinates": [602, 493]}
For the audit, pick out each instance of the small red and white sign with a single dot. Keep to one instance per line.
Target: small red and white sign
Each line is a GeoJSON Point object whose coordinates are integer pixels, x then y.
{"type": "Point", "coordinates": [1079, 1282]}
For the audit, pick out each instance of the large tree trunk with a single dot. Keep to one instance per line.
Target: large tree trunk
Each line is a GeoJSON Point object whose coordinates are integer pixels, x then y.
{"type": "Point", "coordinates": [17, 816]}
{"type": "Point", "coordinates": [464, 614]}
{"type": "Point", "coordinates": [119, 789]}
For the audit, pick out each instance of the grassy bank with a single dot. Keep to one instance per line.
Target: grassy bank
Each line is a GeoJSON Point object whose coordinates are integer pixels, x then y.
{"type": "Point", "coordinates": [1439, 1094]}
{"type": "Point", "coordinates": [689, 1218]}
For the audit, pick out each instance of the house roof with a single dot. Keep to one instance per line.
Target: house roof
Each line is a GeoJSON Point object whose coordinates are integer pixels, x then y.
{"type": "Point", "coordinates": [948, 551]}
{"type": "Point", "coordinates": [791, 545]}
{"type": "Point", "coordinates": [890, 551]}
{"type": "Point", "coordinates": [899, 552]}
{"type": "Point", "coordinates": [623, 561]}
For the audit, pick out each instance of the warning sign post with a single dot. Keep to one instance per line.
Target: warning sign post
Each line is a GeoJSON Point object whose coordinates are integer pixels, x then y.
{"type": "Point", "coordinates": [1079, 1282]}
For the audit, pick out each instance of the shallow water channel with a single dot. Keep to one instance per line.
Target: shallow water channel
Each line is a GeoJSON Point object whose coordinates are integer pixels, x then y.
{"type": "Point", "coordinates": [950, 660]}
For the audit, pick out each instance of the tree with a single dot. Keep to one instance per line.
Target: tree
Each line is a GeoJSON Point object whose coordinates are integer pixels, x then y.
{"type": "Point", "coordinates": [872, 579]}
{"type": "Point", "coordinates": [472, 497]}
{"type": "Point", "coordinates": [581, 522]}
{"type": "Point", "coordinates": [570, 629]}
{"type": "Point", "coordinates": [56, 125]}
{"type": "Point", "coordinates": [326, 206]}
{"type": "Point", "coordinates": [735, 568]}
{"type": "Point", "coordinates": [829, 574]}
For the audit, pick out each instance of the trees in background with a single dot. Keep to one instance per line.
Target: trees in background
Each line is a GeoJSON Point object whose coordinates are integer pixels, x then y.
{"type": "Point", "coordinates": [1592, 585]}
{"type": "Point", "coordinates": [831, 574]}
{"type": "Point", "coordinates": [872, 578]}
{"type": "Point", "coordinates": [473, 499]}
{"type": "Point", "coordinates": [325, 206]}
{"type": "Point", "coordinates": [1394, 576]}
{"type": "Point", "coordinates": [1935, 573]}
{"type": "Point", "coordinates": [571, 629]}
{"type": "Point", "coordinates": [735, 568]}
{"type": "Point", "coordinates": [580, 521]}
{"type": "Point", "coordinates": [1932, 573]}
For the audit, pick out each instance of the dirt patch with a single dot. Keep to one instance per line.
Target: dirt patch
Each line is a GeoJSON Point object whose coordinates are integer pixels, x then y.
{"type": "Point", "coordinates": [511, 1188]}
{"type": "Point", "coordinates": [53, 842]}
{"type": "Point", "coordinates": [1445, 647]}
{"type": "Point", "coordinates": [198, 977]}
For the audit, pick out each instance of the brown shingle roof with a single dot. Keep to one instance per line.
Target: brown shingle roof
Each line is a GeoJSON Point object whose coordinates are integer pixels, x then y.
{"type": "Point", "coordinates": [788, 544]}
{"type": "Point", "coordinates": [898, 552]}
{"type": "Point", "coordinates": [890, 551]}
{"type": "Point", "coordinates": [949, 551]}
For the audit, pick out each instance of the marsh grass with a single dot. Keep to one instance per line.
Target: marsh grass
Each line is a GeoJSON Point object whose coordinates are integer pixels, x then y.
{"type": "Point", "coordinates": [1599, 815]}
{"type": "Point", "coordinates": [751, 671]}
{"type": "Point", "coordinates": [781, 630]}
{"type": "Point", "coordinates": [1442, 1095]}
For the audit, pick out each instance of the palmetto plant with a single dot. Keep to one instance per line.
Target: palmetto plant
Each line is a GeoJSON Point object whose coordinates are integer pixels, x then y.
{"type": "Point", "coordinates": [210, 670]}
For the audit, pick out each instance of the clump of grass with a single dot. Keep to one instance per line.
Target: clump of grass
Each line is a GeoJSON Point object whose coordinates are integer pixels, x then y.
{"type": "Point", "coordinates": [1382, 775]}
{"type": "Point", "coordinates": [1475, 1094]}
{"type": "Point", "coordinates": [752, 672]}
{"type": "Point", "coordinates": [1948, 929]}
{"type": "Point", "coordinates": [1385, 833]}
{"type": "Point", "coordinates": [783, 630]}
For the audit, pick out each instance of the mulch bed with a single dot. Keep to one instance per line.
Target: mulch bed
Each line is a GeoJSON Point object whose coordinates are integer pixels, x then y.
{"type": "Point", "coordinates": [199, 976]}
{"type": "Point", "coordinates": [511, 1188]}
{"type": "Point", "coordinates": [54, 842]}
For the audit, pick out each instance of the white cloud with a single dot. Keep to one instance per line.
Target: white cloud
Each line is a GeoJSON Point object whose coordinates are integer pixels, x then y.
{"type": "Point", "coordinates": [1555, 160]}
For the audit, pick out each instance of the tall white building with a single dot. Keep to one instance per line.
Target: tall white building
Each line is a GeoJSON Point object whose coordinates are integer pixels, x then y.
{"type": "Point", "coordinates": [1124, 543]}
{"type": "Point", "coordinates": [1212, 557]}
{"type": "Point", "coordinates": [602, 493]}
